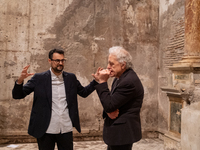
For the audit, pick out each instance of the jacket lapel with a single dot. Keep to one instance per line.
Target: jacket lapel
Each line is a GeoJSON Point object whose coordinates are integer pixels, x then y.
{"type": "Point", "coordinates": [116, 81]}
{"type": "Point", "coordinates": [67, 85]}
{"type": "Point", "coordinates": [48, 87]}
{"type": "Point", "coordinates": [114, 85]}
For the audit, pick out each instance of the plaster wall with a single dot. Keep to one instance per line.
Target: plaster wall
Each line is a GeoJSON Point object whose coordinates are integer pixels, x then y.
{"type": "Point", "coordinates": [85, 29]}
{"type": "Point", "coordinates": [164, 5]}
{"type": "Point", "coordinates": [22, 30]}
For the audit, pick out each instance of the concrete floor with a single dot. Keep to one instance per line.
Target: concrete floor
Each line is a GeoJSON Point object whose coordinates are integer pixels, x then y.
{"type": "Point", "coordinates": [144, 144]}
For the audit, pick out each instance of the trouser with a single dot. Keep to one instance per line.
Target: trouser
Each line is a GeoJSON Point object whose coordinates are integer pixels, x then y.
{"type": "Point", "coordinates": [120, 147]}
{"type": "Point", "coordinates": [64, 141]}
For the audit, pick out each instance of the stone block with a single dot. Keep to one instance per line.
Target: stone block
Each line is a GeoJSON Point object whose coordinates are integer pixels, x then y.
{"type": "Point", "coordinates": [190, 135]}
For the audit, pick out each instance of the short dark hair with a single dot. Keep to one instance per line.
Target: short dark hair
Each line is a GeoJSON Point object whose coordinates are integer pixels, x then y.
{"type": "Point", "coordinates": [59, 51]}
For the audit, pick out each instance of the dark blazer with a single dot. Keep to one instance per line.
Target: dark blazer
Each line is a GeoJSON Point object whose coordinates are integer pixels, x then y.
{"type": "Point", "coordinates": [40, 84]}
{"type": "Point", "coordinates": [127, 96]}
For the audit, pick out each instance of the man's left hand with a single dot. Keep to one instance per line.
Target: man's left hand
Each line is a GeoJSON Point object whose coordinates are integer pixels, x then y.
{"type": "Point", "coordinates": [114, 114]}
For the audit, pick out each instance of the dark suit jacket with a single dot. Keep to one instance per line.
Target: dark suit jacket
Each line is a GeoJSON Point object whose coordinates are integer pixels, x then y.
{"type": "Point", "coordinates": [127, 96]}
{"type": "Point", "coordinates": [40, 84]}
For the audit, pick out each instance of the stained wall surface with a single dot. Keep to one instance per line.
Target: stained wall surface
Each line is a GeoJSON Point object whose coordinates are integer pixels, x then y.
{"type": "Point", "coordinates": [171, 51]}
{"type": "Point", "coordinates": [85, 29]}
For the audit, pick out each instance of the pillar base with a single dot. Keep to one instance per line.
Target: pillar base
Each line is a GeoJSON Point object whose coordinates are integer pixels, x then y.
{"type": "Point", "coordinates": [171, 142]}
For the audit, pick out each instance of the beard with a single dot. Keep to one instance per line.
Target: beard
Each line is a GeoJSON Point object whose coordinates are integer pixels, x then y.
{"type": "Point", "coordinates": [58, 68]}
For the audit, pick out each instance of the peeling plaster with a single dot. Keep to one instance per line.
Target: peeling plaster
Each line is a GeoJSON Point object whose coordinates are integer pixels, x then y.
{"type": "Point", "coordinates": [164, 4]}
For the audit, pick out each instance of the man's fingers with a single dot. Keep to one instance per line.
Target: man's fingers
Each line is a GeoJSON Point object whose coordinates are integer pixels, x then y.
{"type": "Point", "coordinates": [30, 74]}
{"type": "Point", "coordinates": [99, 69]}
{"type": "Point", "coordinates": [104, 71]}
{"type": "Point", "coordinates": [26, 67]}
{"type": "Point", "coordinates": [24, 71]}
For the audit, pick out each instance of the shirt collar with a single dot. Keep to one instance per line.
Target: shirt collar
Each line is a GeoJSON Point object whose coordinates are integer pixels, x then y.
{"type": "Point", "coordinates": [53, 76]}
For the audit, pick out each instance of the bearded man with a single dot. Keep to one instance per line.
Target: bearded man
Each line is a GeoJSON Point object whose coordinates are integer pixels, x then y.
{"type": "Point", "coordinates": [55, 108]}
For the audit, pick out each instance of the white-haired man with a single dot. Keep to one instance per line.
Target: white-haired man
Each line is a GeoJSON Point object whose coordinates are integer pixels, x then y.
{"type": "Point", "coordinates": [122, 104]}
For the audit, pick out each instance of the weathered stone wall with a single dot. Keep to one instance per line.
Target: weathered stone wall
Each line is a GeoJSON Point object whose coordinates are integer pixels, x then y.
{"type": "Point", "coordinates": [85, 29]}
{"type": "Point", "coordinates": [23, 29]}
{"type": "Point", "coordinates": [171, 50]}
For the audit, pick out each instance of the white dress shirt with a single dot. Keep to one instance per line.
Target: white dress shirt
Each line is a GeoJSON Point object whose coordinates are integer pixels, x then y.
{"type": "Point", "coordinates": [60, 121]}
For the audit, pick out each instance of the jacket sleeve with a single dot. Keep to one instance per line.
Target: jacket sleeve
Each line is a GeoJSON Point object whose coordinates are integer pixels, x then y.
{"type": "Point", "coordinates": [87, 90]}
{"type": "Point", "coordinates": [111, 102]}
{"type": "Point", "coordinates": [20, 91]}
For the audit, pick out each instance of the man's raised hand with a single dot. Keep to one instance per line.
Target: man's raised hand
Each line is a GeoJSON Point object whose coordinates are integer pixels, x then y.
{"type": "Point", "coordinates": [24, 74]}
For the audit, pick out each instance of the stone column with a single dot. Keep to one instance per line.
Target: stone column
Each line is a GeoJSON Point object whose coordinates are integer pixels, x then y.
{"type": "Point", "coordinates": [192, 27]}
{"type": "Point", "coordinates": [192, 35]}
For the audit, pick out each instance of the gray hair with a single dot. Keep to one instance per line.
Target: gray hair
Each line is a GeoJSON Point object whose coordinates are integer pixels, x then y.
{"type": "Point", "coordinates": [122, 55]}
